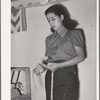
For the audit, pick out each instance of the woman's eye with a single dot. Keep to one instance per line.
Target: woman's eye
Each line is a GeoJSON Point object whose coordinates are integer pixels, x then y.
{"type": "Point", "coordinates": [49, 21]}
{"type": "Point", "coordinates": [53, 19]}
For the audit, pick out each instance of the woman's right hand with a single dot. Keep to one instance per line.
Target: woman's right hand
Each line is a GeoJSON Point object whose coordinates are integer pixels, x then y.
{"type": "Point", "coordinates": [39, 69]}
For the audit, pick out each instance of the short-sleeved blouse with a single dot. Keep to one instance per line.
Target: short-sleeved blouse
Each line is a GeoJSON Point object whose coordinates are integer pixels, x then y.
{"type": "Point", "coordinates": [60, 46]}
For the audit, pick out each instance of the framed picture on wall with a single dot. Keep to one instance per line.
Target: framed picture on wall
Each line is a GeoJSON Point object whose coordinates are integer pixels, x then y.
{"type": "Point", "coordinates": [20, 83]}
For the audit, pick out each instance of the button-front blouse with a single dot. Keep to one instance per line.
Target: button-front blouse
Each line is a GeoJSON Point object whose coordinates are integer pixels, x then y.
{"type": "Point", "coordinates": [60, 46]}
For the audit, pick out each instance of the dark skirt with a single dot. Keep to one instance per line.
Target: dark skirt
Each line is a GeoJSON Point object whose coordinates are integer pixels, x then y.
{"type": "Point", "coordinates": [65, 84]}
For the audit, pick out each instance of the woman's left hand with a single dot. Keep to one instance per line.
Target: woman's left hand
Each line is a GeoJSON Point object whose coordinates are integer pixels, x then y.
{"type": "Point", "coordinates": [52, 67]}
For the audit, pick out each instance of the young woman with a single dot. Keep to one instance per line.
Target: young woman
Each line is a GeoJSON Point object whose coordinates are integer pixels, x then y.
{"type": "Point", "coordinates": [65, 48]}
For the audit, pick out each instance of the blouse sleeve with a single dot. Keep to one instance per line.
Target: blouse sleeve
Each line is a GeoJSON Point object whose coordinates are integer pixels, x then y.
{"type": "Point", "coordinates": [77, 38]}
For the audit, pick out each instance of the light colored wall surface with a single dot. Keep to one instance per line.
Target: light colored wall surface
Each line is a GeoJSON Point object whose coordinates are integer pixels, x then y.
{"type": "Point", "coordinates": [28, 48]}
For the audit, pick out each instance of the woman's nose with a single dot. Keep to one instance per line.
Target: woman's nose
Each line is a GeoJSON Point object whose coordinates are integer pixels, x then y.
{"type": "Point", "coordinates": [51, 23]}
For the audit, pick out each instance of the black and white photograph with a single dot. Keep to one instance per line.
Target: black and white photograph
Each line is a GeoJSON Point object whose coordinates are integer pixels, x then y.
{"type": "Point", "coordinates": [53, 50]}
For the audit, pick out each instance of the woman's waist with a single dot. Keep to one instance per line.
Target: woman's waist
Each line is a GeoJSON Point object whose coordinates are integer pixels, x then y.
{"type": "Point", "coordinates": [65, 69]}
{"type": "Point", "coordinates": [57, 60]}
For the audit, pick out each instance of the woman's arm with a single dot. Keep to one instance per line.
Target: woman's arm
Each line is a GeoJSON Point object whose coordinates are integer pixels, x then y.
{"type": "Point", "coordinates": [80, 56]}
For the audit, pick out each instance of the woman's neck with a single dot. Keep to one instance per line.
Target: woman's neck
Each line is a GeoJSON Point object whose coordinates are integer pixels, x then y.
{"type": "Point", "coordinates": [60, 29]}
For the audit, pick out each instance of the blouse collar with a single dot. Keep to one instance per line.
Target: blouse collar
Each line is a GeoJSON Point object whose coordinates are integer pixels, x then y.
{"type": "Point", "coordinates": [62, 32]}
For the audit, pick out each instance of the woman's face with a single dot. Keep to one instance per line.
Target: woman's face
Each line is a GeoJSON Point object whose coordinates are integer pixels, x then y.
{"type": "Point", "coordinates": [54, 21]}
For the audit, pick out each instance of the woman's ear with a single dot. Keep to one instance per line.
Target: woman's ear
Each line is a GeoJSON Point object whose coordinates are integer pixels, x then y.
{"type": "Point", "coordinates": [62, 17]}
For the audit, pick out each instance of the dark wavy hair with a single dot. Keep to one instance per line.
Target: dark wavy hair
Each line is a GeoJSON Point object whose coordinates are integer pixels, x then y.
{"type": "Point", "coordinates": [59, 9]}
